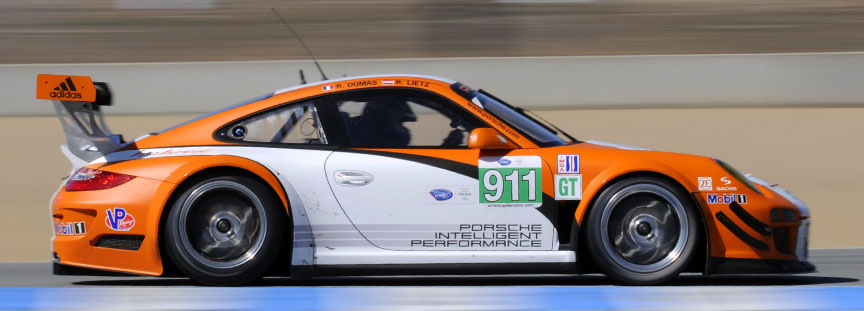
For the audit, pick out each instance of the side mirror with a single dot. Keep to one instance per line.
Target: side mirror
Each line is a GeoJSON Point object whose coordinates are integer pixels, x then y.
{"type": "Point", "coordinates": [488, 138]}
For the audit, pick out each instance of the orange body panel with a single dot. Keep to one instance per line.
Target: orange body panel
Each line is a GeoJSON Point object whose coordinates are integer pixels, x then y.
{"type": "Point", "coordinates": [145, 197]}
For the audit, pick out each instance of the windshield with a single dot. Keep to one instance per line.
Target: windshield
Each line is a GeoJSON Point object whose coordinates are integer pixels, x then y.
{"type": "Point", "coordinates": [544, 135]}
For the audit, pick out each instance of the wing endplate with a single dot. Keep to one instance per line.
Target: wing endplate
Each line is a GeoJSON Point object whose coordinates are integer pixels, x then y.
{"type": "Point", "coordinates": [65, 88]}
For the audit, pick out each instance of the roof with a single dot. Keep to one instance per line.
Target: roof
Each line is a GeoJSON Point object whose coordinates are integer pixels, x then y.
{"type": "Point", "coordinates": [277, 92]}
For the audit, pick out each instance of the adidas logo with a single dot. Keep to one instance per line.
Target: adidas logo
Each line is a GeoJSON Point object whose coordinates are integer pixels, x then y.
{"type": "Point", "coordinates": [66, 89]}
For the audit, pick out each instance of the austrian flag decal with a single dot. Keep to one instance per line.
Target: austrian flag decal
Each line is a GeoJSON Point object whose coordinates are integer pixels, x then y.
{"type": "Point", "coordinates": [118, 219]}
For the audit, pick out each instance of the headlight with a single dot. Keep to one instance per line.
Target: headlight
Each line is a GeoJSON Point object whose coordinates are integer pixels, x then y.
{"type": "Point", "coordinates": [737, 175]}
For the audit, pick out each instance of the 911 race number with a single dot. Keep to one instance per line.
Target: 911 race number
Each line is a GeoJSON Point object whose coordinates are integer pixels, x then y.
{"type": "Point", "coordinates": [511, 181]}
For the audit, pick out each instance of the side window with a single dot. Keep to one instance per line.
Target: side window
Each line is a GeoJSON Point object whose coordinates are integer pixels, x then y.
{"type": "Point", "coordinates": [292, 124]}
{"type": "Point", "coordinates": [402, 118]}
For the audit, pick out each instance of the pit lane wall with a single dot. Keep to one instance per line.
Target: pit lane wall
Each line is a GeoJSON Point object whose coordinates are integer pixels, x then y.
{"type": "Point", "coordinates": [742, 80]}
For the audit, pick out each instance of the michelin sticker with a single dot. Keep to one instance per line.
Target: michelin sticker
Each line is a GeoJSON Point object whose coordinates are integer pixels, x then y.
{"type": "Point", "coordinates": [511, 181]}
{"type": "Point", "coordinates": [568, 187]}
{"type": "Point", "coordinates": [450, 195]}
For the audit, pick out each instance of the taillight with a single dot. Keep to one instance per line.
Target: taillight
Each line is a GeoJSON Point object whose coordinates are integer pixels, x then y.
{"type": "Point", "coordinates": [90, 179]}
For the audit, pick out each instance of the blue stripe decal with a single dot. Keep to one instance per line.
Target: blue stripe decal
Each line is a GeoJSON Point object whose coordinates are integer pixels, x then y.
{"type": "Point", "coordinates": [431, 298]}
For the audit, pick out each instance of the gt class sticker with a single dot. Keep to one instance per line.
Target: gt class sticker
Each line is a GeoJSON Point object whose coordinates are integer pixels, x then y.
{"type": "Point", "coordinates": [568, 187]}
{"type": "Point", "coordinates": [568, 163]}
{"type": "Point", "coordinates": [512, 181]}
{"type": "Point", "coordinates": [118, 219]}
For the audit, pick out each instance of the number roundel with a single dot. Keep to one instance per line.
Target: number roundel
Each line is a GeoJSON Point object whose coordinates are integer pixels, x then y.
{"type": "Point", "coordinates": [513, 181]}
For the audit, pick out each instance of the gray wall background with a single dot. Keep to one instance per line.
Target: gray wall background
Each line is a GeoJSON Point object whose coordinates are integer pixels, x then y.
{"type": "Point", "coordinates": [782, 80]}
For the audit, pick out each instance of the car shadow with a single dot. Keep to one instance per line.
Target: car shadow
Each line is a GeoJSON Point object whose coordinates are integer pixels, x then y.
{"type": "Point", "coordinates": [585, 280]}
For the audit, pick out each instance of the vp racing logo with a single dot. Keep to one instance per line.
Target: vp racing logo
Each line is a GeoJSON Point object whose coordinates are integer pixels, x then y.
{"type": "Point", "coordinates": [118, 219]}
{"type": "Point", "coordinates": [66, 90]}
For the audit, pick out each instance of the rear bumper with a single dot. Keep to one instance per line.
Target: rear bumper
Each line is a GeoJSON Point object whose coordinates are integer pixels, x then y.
{"type": "Point", "coordinates": [758, 266]}
{"type": "Point", "coordinates": [84, 235]}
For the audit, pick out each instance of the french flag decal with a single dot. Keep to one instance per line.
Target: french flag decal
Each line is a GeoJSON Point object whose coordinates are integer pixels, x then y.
{"type": "Point", "coordinates": [327, 88]}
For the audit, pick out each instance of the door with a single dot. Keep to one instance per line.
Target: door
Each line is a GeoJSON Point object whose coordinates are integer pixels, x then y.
{"type": "Point", "coordinates": [408, 181]}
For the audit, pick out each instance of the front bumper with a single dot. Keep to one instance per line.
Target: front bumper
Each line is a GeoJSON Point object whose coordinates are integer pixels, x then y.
{"type": "Point", "coordinates": [753, 233]}
{"type": "Point", "coordinates": [758, 266]}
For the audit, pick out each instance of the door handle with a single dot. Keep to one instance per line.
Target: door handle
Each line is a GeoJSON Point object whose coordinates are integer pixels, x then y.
{"type": "Point", "coordinates": [353, 178]}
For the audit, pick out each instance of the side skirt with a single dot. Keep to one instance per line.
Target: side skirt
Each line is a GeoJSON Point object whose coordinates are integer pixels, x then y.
{"type": "Point", "coordinates": [446, 269]}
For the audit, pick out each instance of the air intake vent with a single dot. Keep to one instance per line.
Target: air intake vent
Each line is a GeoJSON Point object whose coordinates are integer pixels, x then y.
{"type": "Point", "coordinates": [783, 241]}
{"type": "Point", "coordinates": [126, 242]}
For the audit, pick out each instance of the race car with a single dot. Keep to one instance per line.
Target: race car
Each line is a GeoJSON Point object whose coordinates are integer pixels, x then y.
{"type": "Point", "coordinates": [398, 174]}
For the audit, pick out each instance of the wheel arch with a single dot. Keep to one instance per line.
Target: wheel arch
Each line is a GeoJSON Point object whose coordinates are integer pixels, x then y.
{"type": "Point", "coordinates": [604, 181]}
{"type": "Point", "coordinates": [193, 171]}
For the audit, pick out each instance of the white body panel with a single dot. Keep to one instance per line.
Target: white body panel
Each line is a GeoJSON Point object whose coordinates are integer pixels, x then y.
{"type": "Point", "coordinates": [324, 234]}
{"type": "Point", "coordinates": [397, 212]}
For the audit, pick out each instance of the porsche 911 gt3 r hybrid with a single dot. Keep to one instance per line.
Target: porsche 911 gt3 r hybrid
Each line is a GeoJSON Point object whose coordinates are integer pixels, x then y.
{"type": "Point", "coordinates": [399, 174]}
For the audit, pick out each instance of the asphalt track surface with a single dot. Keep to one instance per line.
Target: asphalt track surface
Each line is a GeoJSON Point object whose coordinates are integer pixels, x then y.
{"type": "Point", "coordinates": [836, 286]}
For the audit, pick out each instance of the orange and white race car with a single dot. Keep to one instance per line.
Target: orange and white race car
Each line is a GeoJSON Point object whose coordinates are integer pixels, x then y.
{"type": "Point", "coordinates": [399, 174]}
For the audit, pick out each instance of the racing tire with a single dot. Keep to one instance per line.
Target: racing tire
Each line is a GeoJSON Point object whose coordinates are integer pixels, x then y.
{"type": "Point", "coordinates": [224, 231]}
{"type": "Point", "coordinates": [642, 231]}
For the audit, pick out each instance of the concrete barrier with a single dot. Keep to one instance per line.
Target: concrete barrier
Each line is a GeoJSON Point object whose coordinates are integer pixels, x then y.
{"type": "Point", "coordinates": [818, 79]}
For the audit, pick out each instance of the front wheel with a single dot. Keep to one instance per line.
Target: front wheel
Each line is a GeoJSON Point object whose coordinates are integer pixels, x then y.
{"type": "Point", "coordinates": [642, 230]}
{"type": "Point", "coordinates": [224, 231]}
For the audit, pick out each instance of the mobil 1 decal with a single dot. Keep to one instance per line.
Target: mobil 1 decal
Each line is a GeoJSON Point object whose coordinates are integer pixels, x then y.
{"type": "Point", "coordinates": [511, 181]}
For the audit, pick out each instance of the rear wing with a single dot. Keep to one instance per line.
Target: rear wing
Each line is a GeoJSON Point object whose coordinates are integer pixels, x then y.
{"type": "Point", "coordinates": [78, 101]}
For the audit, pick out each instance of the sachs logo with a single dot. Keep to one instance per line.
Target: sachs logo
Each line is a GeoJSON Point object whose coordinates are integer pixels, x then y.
{"type": "Point", "coordinates": [441, 194]}
{"type": "Point", "coordinates": [504, 162]}
{"type": "Point", "coordinates": [118, 219]}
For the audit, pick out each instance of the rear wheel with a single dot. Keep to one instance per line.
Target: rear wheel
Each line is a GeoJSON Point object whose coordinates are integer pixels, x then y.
{"type": "Point", "coordinates": [642, 230]}
{"type": "Point", "coordinates": [224, 231]}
